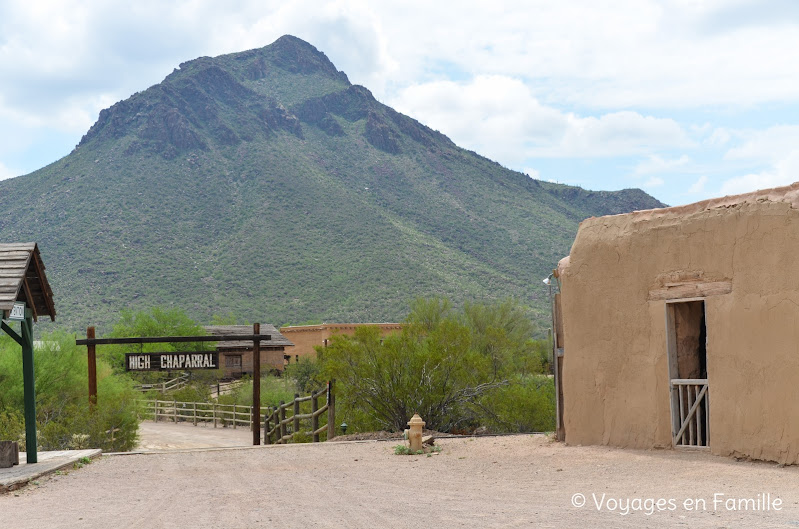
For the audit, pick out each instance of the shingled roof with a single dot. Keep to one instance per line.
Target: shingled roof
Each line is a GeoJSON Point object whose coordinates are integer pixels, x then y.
{"type": "Point", "coordinates": [278, 340]}
{"type": "Point", "coordinates": [22, 278]}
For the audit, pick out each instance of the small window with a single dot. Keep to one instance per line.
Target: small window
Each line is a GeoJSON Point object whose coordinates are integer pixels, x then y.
{"type": "Point", "coordinates": [232, 360]}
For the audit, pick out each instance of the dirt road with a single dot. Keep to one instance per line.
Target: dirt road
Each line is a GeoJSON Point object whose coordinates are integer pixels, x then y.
{"type": "Point", "coordinates": [520, 481]}
{"type": "Point", "coordinates": [171, 436]}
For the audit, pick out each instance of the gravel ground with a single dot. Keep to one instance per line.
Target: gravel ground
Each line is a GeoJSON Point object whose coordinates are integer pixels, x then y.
{"type": "Point", "coordinates": [519, 481]}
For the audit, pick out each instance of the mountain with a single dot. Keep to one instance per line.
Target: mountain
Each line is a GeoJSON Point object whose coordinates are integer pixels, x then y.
{"type": "Point", "coordinates": [266, 186]}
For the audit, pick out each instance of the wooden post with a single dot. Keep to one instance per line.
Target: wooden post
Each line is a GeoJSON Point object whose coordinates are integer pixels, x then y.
{"type": "Point", "coordinates": [92, 359]}
{"type": "Point", "coordinates": [314, 416]}
{"type": "Point", "coordinates": [267, 422]}
{"type": "Point", "coordinates": [296, 413]}
{"type": "Point", "coordinates": [213, 413]}
{"type": "Point", "coordinates": [29, 388]}
{"type": "Point", "coordinates": [256, 386]}
{"type": "Point", "coordinates": [282, 419]}
{"type": "Point", "coordinates": [331, 410]}
{"type": "Point", "coordinates": [175, 411]}
{"type": "Point", "coordinates": [194, 405]}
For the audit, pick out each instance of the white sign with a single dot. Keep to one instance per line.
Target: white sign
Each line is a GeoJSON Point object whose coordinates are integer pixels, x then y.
{"type": "Point", "coordinates": [18, 312]}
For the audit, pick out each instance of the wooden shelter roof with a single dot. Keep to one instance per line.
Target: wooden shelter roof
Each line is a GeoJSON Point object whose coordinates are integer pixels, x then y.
{"type": "Point", "coordinates": [22, 278]}
{"type": "Point", "coordinates": [278, 340]}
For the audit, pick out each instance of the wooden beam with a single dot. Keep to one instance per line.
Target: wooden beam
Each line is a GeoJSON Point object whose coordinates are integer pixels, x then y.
{"type": "Point", "coordinates": [256, 386]}
{"type": "Point", "coordinates": [177, 339]}
{"type": "Point", "coordinates": [690, 289]}
{"type": "Point", "coordinates": [29, 296]}
{"type": "Point", "coordinates": [47, 292]}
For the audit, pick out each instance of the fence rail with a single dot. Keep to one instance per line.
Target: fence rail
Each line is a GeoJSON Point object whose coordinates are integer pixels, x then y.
{"type": "Point", "coordinates": [168, 385]}
{"type": "Point", "coordinates": [279, 427]}
{"type": "Point", "coordinates": [286, 426]}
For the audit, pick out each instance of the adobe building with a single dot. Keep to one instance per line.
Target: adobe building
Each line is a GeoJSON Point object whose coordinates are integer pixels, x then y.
{"type": "Point", "coordinates": [679, 327]}
{"type": "Point", "coordinates": [236, 357]}
{"type": "Point", "coordinates": [306, 337]}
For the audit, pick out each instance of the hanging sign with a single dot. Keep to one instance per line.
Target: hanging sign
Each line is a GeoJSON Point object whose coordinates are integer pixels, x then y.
{"type": "Point", "coordinates": [171, 361]}
{"type": "Point", "coordinates": [17, 312]}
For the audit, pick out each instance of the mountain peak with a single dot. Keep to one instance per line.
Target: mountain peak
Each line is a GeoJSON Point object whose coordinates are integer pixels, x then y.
{"type": "Point", "coordinates": [297, 56]}
{"type": "Point", "coordinates": [264, 184]}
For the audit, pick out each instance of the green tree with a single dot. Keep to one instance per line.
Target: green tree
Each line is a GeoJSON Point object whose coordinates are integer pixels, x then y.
{"type": "Point", "coordinates": [456, 369]}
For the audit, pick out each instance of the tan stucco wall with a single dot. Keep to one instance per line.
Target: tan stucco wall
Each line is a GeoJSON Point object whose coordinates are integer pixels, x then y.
{"type": "Point", "coordinates": [615, 372]}
{"type": "Point", "coordinates": [306, 337]}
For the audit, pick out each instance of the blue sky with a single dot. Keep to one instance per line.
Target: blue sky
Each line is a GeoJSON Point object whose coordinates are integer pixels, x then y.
{"type": "Point", "coordinates": [686, 99]}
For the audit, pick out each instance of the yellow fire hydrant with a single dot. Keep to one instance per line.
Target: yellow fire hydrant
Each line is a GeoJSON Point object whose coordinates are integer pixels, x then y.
{"type": "Point", "coordinates": [415, 434]}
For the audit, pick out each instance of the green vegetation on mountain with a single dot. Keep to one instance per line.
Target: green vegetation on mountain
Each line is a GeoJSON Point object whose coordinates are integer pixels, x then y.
{"type": "Point", "coordinates": [264, 185]}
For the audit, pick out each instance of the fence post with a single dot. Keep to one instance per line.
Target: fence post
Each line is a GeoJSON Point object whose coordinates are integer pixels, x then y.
{"type": "Point", "coordinates": [331, 410]}
{"type": "Point", "coordinates": [175, 410]}
{"type": "Point", "coordinates": [155, 409]}
{"type": "Point", "coordinates": [267, 420]}
{"type": "Point", "coordinates": [296, 412]}
{"type": "Point", "coordinates": [213, 413]}
{"type": "Point", "coordinates": [282, 422]}
{"type": "Point", "coordinates": [194, 405]}
{"type": "Point", "coordinates": [314, 416]}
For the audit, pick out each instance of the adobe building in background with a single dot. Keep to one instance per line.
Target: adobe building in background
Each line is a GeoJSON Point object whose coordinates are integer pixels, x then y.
{"type": "Point", "coordinates": [306, 337]}
{"type": "Point", "coordinates": [236, 357]}
{"type": "Point", "coordinates": [679, 327]}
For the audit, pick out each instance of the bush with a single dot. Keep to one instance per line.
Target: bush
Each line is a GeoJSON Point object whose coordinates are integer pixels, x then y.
{"type": "Point", "coordinates": [457, 370]}
{"type": "Point", "coordinates": [527, 404]}
{"type": "Point", "coordinates": [305, 375]}
{"type": "Point", "coordinates": [273, 391]}
{"type": "Point", "coordinates": [63, 417]}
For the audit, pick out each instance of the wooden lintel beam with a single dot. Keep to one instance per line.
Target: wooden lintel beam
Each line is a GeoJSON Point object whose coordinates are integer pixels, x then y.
{"type": "Point", "coordinates": [690, 289]}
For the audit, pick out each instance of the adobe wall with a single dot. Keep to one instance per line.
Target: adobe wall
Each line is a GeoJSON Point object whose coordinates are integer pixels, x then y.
{"type": "Point", "coordinates": [615, 370]}
{"type": "Point", "coordinates": [306, 337]}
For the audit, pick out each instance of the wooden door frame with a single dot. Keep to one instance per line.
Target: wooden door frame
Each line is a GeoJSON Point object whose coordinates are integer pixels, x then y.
{"type": "Point", "coordinates": [673, 368]}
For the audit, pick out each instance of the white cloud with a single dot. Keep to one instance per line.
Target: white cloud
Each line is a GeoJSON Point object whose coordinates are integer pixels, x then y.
{"type": "Point", "coordinates": [6, 172]}
{"type": "Point", "coordinates": [617, 55]}
{"type": "Point", "coordinates": [657, 164]}
{"type": "Point", "coordinates": [654, 181]}
{"type": "Point", "coordinates": [784, 172]}
{"type": "Point", "coordinates": [771, 144]}
{"type": "Point", "coordinates": [698, 187]}
{"type": "Point", "coordinates": [500, 117]}
{"type": "Point", "coordinates": [532, 173]}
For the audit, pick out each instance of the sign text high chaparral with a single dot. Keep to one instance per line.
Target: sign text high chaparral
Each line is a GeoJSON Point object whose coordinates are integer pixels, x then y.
{"type": "Point", "coordinates": [171, 361]}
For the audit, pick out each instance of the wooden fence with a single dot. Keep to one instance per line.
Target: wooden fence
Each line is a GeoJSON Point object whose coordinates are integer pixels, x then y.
{"type": "Point", "coordinates": [279, 425]}
{"type": "Point", "coordinates": [286, 426]}
{"type": "Point", "coordinates": [221, 415]}
{"type": "Point", "coordinates": [168, 385]}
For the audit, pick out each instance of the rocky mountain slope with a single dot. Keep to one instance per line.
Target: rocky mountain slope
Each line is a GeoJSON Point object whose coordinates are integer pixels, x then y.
{"type": "Point", "coordinates": [264, 185]}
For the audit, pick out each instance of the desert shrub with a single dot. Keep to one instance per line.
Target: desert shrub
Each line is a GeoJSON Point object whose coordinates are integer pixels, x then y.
{"type": "Point", "coordinates": [63, 417]}
{"type": "Point", "coordinates": [305, 375]}
{"type": "Point", "coordinates": [273, 390]}
{"type": "Point", "coordinates": [526, 404]}
{"type": "Point", "coordinates": [458, 370]}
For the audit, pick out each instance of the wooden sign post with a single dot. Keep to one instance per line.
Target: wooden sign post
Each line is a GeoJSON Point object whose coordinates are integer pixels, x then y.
{"type": "Point", "coordinates": [256, 386]}
{"type": "Point", "coordinates": [180, 361]}
{"type": "Point", "coordinates": [24, 316]}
